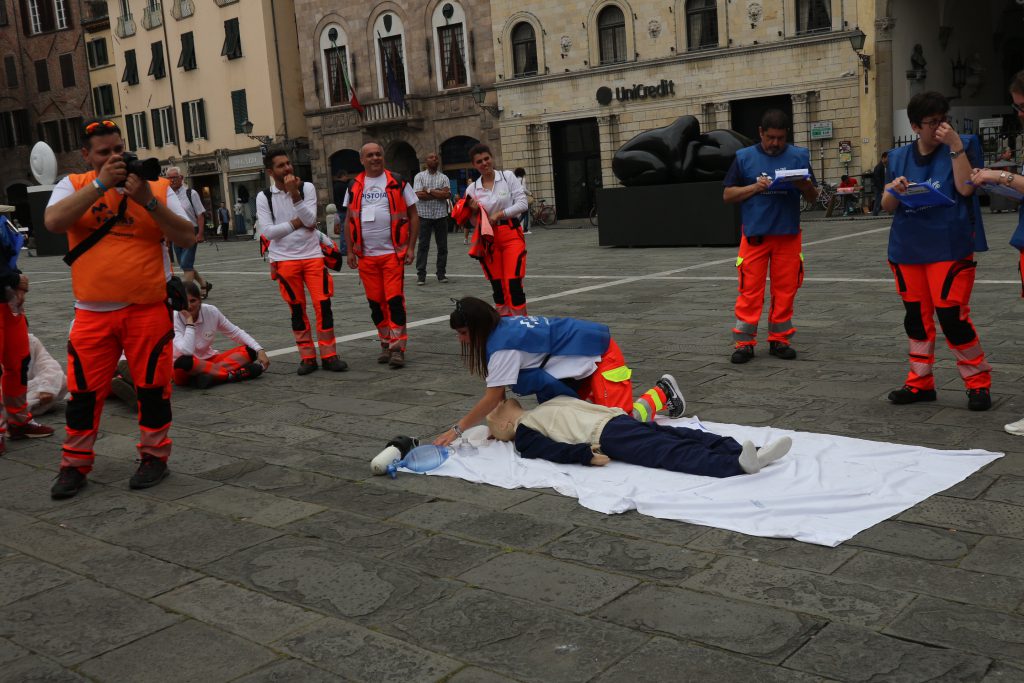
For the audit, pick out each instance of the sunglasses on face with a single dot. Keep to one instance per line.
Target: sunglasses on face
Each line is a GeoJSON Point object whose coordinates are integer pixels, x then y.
{"type": "Point", "coordinates": [95, 126]}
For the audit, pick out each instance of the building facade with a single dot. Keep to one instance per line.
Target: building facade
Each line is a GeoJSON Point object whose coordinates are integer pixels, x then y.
{"type": "Point", "coordinates": [44, 93]}
{"type": "Point", "coordinates": [578, 79]}
{"type": "Point", "coordinates": [103, 74]}
{"type": "Point", "coordinates": [194, 74]}
{"type": "Point", "coordinates": [413, 68]}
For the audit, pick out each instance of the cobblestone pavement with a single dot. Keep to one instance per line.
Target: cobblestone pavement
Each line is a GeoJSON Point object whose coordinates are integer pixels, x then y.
{"type": "Point", "coordinates": [271, 554]}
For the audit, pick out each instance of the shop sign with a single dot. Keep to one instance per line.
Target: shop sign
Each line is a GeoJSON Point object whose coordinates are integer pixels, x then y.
{"type": "Point", "coordinates": [821, 130]}
{"type": "Point", "coordinates": [990, 123]}
{"type": "Point", "coordinates": [638, 91]}
{"type": "Point", "coordinates": [247, 160]}
{"type": "Point", "coordinates": [845, 152]}
{"type": "Point", "coordinates": [197, 167]}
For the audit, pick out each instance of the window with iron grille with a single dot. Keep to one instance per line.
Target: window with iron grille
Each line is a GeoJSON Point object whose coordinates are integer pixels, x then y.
{"type": "Point", "coordinates": [337, 68]}
{"type": "Point", "coordinates": [3, 13]}
{"type": "Point", "coordinates": [103, 100]}
{"type": "Point", "coordinates": [187, 60]}
{"type": "Point", "coordinates": [451, 44]}
{"type": "Point", "coordinates": [96, 50]}
{"type": "Point", "coordinates": [232, 40]}
{"type": "Point", "coordinates": [392, 61]}
{"type": "Point", "coordinates": [156, 63]}
{"type": "Point", "coordinates": [193, 118]}
{"type": "Point", "coordinates": [138, 131]}
{"type": "Point", "coordinates": [813, 16]}
{"type": "Point", "coordinates": [524, 50]}
{"type": "Point", "coordinates": [164, 126]}
{"type": "Point", "coordinates": [67, 70]}
{"type": "Point", "coordinates": [239, 109]}
{"type": "Point", "coordinates": [701, 24]}
{"type": "Point", "coordinates": [11, 70]}
{"type": "Point", "coordinates": [611, 35]}
{"type": "Point", "coordinates": [42, 76]}
{"type": "Point", "coordinates": [131, 68]}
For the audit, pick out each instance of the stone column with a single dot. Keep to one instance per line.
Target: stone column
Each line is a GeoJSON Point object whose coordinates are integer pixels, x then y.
{"type": "Point", "coordinates": [801, 120]}
{"type": "Point", "coordinates": [608, 135]}
{"type": "Point", "coordinates": [883, 67]}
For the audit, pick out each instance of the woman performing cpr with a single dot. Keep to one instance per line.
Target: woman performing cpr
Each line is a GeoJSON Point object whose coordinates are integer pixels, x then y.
{"type": "Point", "coordinates": [498, 243]}
{"type": "Point", "coordinates": [548, 357]}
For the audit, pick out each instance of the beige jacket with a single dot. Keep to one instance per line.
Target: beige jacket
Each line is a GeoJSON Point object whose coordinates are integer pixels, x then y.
{"type": "Point", "coordinates": [570, 420]}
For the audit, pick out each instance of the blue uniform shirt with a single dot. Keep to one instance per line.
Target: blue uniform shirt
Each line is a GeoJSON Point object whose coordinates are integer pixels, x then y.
{"type": "Point", "coordinates": [772, 212]}
{"type": "Point", "coordinates": [935, 233]}
{"type": "Point", "coordinates": [1018, 235]}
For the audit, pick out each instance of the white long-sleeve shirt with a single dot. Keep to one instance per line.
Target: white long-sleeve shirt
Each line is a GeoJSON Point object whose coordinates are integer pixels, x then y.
{"type": "Point", "coordinates": [288, 243]}
{"type": "Point", "coordinates": [505, 195]}
{"type": "Point", "coordinates": [198, 340]}
{"type": "Point", "coordinates": [45, 374]}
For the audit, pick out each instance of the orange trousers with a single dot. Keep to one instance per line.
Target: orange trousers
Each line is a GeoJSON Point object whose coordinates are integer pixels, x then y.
{"type": "Point", "coordinates": [604, 387]}
{"type": "Point", "coordinates": [217, 366]}
{"type": "Point", "coordinates": [144, 332]}
{"type": "Point", "coordinates": [384, 283]}
{"type": "Point", "coordinates": [941, 289]}
{"type": "Point", "coordinates": [311, 273]}
{"type": "Point", "coordinates": [504, 266]}
{"type": "Point", "coordinates": [782, 253]}
{"type": "Point", "coordinates": [14, 359]}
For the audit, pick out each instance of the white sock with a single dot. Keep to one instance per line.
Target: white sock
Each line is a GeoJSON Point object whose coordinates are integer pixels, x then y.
{"type": "Point", "coordinates": [748, 458]}
{"type": "Point", "coordinates": [774, 450]}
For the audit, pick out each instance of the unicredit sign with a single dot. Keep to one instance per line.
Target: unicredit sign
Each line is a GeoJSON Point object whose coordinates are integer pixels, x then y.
{"type": "Point", "coordinates": [639, 91]}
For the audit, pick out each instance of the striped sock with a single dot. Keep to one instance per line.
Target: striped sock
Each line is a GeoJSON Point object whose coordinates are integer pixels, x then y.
{"type": "Point", "coordinates": [648, 405]}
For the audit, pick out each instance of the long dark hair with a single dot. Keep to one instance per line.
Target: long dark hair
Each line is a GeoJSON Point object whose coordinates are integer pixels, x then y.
{"type": "Point", "coordinates": [479, 319]}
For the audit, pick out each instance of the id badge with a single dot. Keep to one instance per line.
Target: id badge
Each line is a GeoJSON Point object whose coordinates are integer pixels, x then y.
{"type": "Point", "coordinates": [366, 214]}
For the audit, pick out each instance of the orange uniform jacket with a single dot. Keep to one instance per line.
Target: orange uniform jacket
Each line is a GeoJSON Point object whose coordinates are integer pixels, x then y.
{"type": "Point", "coordinates": [399, 215]}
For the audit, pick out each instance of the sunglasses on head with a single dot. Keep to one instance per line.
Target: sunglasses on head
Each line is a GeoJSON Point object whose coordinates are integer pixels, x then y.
{"type": "Point", "coordinates": [96, 126]}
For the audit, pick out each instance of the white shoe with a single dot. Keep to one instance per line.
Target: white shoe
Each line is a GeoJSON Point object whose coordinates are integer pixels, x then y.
{"type": "Point", "coordinates": [748, 458]}
{"type": "Point", "coordinates": [379, 464]}
{"type": "Point", "coordinates": [1015, 428]}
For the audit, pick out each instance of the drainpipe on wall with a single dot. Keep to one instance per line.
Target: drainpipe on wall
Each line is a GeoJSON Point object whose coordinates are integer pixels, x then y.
{"type": "Point", "coordinates": [170, 76]}
{"type": "Point", "coordinates": [277, 58]}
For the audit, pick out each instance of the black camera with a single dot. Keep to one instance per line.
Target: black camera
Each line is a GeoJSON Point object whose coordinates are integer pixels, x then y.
{"type": "Point", "coordinates": [147, 169]}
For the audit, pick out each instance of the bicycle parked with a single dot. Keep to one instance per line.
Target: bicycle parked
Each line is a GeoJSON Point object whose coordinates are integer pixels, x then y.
{"type": "Point", "coordinates": [542, 213]}
{"type": "Point", "coordinates": [826, 194]}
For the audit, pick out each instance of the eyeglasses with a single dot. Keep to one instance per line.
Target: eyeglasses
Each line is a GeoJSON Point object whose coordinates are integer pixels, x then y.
{"type": "Point", "coordinates": [1019, 108]}
{"type": "Point", "coordinates": [95, 126]}
{"type": "Point", "coordinates": [934, 123]}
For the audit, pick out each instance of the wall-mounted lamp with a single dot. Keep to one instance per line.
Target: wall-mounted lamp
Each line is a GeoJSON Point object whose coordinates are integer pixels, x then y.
{"type": "Point", "coordinates": [857, 39]}
{"type": "Point", "coordinates": [478, 97]}
{"type": "Point", "coordinates": [959, 75]}
{"type": "Point", "coordinates": [247, 126]}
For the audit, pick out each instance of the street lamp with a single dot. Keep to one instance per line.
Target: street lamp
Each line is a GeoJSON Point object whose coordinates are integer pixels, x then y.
{"type": "Point", "coordinates": [262, 139]}
{"type": "Point", "coordinates": [478, 97]}
{"type": "Point", "coordinates": [857, 39]}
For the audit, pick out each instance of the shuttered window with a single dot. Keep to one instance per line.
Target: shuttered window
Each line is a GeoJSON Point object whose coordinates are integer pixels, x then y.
{"type": "Point", "coordinates": [156, 64]}
{"type": "Point", "coordinates": [131, 68]}
{"type": "Point", "coordinates": [193, 117]}
{"type": "Point", "coordinates": [232, 40]}
{"type": "Point", "coordinates": [239, 109]}
{"type": "Point", "coordinates": [67, 70]}
{"type": "Point", "coordinates": [187, 60]}
{"type": "Point", "coordinates": [11, 69]}
{"type": "Point", "coordinates": [42, 76]}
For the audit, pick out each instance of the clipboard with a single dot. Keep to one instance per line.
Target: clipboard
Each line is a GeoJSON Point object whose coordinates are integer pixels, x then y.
{"type": "Point", "coordinates": [784, 179]}
{"type": "Point", "coordinates": [922, 196]}
{"type": "Point", "coordinates": [1000, 189]}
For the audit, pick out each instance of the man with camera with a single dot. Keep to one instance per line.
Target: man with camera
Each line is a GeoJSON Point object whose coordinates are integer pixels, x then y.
{"type": "Point", "coordinates": [117, 217]}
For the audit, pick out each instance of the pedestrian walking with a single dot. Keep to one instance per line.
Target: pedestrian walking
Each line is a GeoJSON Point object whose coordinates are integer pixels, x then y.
{"type": "Point", "coordinates": [286, 213]}
{"type": "Point", "coordinates": [224, 218]}
{"type": "Point", "coordinates": [771, 235]}
{"type": "Point", "coordinates": [382, 227]}
{"type": "Point", "coordinates": [520, 173]}
{"type": "Point", "coordinates": [932, 247]}
{"type": "Point", "coordinates": [433, 190]}
{"type": "Point", "coordinates": [116, 223]}
{"type": "Point", "coordinates": [192, 204]}
{"type": "Point", "coordinates": [878, 182]}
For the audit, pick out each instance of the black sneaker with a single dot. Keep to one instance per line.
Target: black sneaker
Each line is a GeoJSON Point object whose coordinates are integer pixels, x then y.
{"type": "Point", "coordinates": [151, 472]}
{"type": "Point", "coordinates": [674, 400]}
{"type": "Point", "coordinates": [442, 279]}
{"type": "Point", "coordinates": [69, 482]}
{"type": "Point", "coordinates": [979, 399]}
{"type": "Point", "coordinates": [307, 366]}
{"type": "Point", "coordinates": [781, 350]}
{"type": "Point", "coordinates": [334, 364]}
{"type": "Point", "coordinates": [248, 371]}
{"type": "Point", "coordinates": [420, 282]}
{"type": "Point", "coordinates": [742, 354]}
{"type": "Point", "coordinates": [909, 394]}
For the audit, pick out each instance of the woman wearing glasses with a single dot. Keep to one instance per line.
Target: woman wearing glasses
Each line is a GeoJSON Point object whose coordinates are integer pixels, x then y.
{"type": "Point", "coordinates": [931, 248]}
{"type": "Point", "coordinates": [548, 357]}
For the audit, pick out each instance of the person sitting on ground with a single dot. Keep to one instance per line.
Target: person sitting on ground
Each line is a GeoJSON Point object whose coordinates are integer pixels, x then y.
{"type": "Point", "coordinates": [570, 431]}
{"type": "Point", "coordinates": [47, 384]}
{"type": "Point", "coordinates": [548, 357]}
{"type": "Point", "coordinates": [196, 362]}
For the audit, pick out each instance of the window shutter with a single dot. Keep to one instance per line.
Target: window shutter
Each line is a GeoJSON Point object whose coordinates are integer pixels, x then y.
{"type": "Point", "coordinates": [42, 76]}
{"type": "Point", "coordinates": [201, 108]}
{"type": "Point", "coordinates": [158, 137]}
{"type": "Point", "coordinates": [47, 17]}
{"type": "Point", "coordinates": [171, 126]}
{"type": "Point", "coordinates": [21, 126]}
{"type": "Point", "coordinates": [108, 100]}
{"type": "Point", "coordinates": [131, 132]}
{"type": "Point", "coordinates": [26, 23]}
{"type": "Point", "coordinates": [12, 71]}
{"type": "Point", "coordinates": [67, 70]}
{"type": "Point", "coordinates": [145, 130]}
{"type": "Point", "coordinates": [187, 121]}
{"type": "Point", "coordinates": [239, 108]}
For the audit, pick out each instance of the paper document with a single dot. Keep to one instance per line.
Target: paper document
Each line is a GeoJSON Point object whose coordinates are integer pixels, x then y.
{"type": "Point", "coordinates": [999, 188]}
{"type": "Point", "coordinates": [785, 178]}
{"type": "Point", "coordinates": [921, 196]}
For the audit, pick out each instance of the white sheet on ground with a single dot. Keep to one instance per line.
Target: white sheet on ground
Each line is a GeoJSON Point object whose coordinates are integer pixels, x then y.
{"type": "Point", "coordinates": [826, 490]}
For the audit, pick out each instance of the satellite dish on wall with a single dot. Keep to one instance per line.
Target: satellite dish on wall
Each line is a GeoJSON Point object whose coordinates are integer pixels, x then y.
{"type": "Point", "coordinates": [43, 163]}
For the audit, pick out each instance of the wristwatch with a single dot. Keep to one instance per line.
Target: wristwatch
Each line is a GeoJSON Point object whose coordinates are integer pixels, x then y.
{"type": "Point", "coordinates": [151, 205]}
{"type": "Point", "coordinates": [458, 430]}
{"type": "Point", "coordinates": [1008, 180]}
{"type": "Point", "coordinates": [954, 155]}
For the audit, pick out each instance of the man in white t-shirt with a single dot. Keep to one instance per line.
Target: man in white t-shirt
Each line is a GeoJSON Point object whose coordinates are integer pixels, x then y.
{"type": "Point", "coordinates": [382, 226]}
{"type": "Point", "coordinates": [196, 212]}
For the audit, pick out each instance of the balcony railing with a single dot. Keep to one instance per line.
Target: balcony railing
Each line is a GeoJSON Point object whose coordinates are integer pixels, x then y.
{"type": "Point", "coordinates": [125, 26]}
{"type": "Point", "coordinates": [182, 9]}
{"type": "Point", "coordinates": [222, 3]}
{"type": "Point", "coordinates": [152, 16]}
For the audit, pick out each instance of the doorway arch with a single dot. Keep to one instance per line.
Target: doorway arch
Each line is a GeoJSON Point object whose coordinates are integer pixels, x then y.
{"type": "Point", "coordinates": [401, 158]}
{"type": "Point", "coordinates": [345, 166]}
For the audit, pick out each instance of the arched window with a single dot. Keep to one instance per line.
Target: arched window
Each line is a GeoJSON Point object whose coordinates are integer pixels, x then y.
{"type": "Point", "coordinates": [701, 24]}
{"type": "Point", "coordinates": [449, 21]}
{"type": "Point", "coordinates": [335, 63]}
{"type": "Point", "coordinates": [813, 16]}
{"type": "Point", "coordinates": [389, 34]}
{"type": "Point", "coordinates": [524, 50]}
{"type": "Point", "coordinates": [611, 35]}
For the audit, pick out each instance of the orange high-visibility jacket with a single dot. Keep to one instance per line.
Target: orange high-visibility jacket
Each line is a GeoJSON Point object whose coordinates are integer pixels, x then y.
{"type": "Point", "coordinates": [397, 206]}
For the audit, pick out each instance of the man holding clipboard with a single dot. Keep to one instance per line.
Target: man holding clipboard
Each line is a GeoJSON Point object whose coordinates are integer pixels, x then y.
{"type": "Point", "coordinates": [767, 180]}
{"type": "Point", "coordinates": [936, 230]}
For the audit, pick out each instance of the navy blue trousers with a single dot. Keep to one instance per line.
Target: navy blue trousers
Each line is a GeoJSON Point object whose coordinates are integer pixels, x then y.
{"type": "Point", "coordinates": [670, 448]}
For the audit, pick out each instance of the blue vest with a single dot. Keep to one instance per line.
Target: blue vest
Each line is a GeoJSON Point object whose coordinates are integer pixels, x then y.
{"type": "Point", "coordinates": [772, 212]}
{"type": "Point", "coordinates": [11, 242]}
{"type": "Point", "coordinates": [935, 233]}
{"type": "Point", "coordinates": [552, 336]}
{"type": "Point", "coordinates": [1017, 239]}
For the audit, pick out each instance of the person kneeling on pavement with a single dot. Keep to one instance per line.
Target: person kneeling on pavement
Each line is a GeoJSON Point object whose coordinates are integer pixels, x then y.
{"type": "Point", "coordinates": [571, 431]}
{"type": "Point", "coordinates": [196, 362]}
